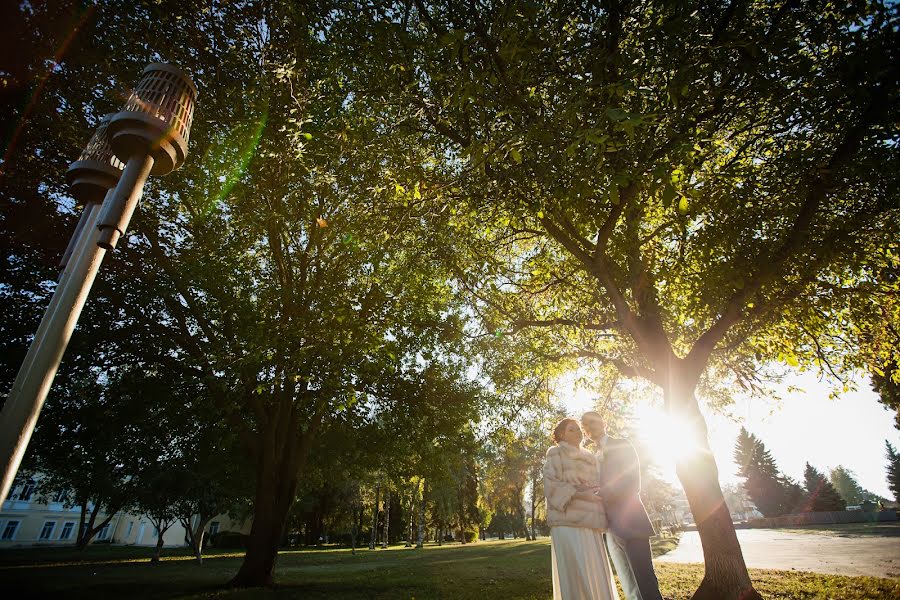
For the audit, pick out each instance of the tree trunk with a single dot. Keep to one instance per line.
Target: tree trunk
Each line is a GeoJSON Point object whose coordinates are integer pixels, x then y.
{"type": "Point", "coordinates": [726, 576]}
{"type": "Point", "coordinates": [86, 532]}
{"type": "Point", "coordinates": [159, 542]}
{"type": "Point", "coordinates": [355, 523]}
{"type": "Point", "coordinates": [198, 545]}
{"type": "Point", "coordinates": [420, 543]}
{"type": "Point", "coordinates": [271, 507]}
{"type": "Point", "coordinates": [275, 488]}
{"type": "Point", "coordinates": [387, 517]}
{"type": "Point", "coordinates": [374, 537]}
{"type": "Point", "coordinates": [412, 511]}
{"type": "Point", "coordinates": [79, 544]}
{"type": "Point", "coordinates": [533, 504]}
{"type": "Point", "coordinates": [196, 534]}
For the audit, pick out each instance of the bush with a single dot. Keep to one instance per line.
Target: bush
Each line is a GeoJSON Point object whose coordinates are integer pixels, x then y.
{"type": "Point", "coordinates": [471, 536]}
{"type": "Point", "coordinates": [231, 540]}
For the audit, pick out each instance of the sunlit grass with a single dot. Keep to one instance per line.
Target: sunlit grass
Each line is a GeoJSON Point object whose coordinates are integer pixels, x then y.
{"type": "Point", "coordinates": [508, 569]}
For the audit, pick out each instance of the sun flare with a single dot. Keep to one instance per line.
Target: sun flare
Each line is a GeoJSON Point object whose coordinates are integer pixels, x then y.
{"type": "Point", "coordinates": [667, 438]}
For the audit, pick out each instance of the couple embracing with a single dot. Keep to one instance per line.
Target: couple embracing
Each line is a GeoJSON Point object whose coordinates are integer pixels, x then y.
{"type": "Point", "coordinates": [595, 513]}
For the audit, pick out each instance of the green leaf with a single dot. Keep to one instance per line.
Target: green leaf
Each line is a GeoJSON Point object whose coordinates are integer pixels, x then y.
{"type": "Point", "coordinates": [516, 155]}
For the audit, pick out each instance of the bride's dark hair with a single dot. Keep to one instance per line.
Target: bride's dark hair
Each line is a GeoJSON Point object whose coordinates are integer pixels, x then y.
{"type": "Point", "coordinates": [560, 427]}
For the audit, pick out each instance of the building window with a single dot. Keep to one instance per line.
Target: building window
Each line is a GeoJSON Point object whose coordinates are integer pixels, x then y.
{"type": "Point", "coordinates": [47, 530]}
{"type": "Point", "coordinates": [27, 490]}
{"type": "Point", "coordinates": [61, 496]}
{"type": "Point", "coordinates": [66, 532]}
{"type": "Point", "coordinates": [213, 528]}
{"type": "Point", "coordinates": [130, 527]}
{"type": "Point", "coordinates": [103, 533]}
{"type": "Point", "coordinates": [9, 530]}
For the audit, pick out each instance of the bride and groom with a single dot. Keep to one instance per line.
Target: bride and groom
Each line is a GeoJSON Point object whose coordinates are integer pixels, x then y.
{"type": "Point", "coordinates": [595, 513]}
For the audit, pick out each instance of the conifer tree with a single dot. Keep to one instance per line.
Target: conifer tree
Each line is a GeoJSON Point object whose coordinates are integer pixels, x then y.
{"type": "Point", "coordinates": [771, 492]}
{"type": "Point", "coordinates": [820, 494]}
{"type": "Point", "coordinates": [893, 470]}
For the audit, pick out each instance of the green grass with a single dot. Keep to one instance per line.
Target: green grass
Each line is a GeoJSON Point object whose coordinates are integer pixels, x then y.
{"type": "Point", "coordinates": [508, 569]}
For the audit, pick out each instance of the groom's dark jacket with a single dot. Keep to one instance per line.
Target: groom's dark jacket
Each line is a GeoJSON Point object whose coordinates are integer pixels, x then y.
{"type": "Point", "coordinates": [620, 488]}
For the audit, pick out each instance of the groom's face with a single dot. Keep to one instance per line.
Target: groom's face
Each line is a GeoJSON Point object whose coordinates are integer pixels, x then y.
{"type": "Point", "coordinates": [594, 426]}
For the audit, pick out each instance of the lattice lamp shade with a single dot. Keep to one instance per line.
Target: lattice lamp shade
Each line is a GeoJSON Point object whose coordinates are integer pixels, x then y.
{"type": "Point", "coordinates": [156, 119]}
{"type": "Point", "coordinates": [97, 169]}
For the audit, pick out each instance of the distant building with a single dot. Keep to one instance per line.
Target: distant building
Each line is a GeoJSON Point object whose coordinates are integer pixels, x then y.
{"type": "Point", "coordinates": [28, 519]}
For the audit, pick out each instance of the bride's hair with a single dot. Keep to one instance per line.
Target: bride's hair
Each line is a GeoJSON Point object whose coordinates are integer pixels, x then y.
{"type": "Point", "coordinates": [560, 427]}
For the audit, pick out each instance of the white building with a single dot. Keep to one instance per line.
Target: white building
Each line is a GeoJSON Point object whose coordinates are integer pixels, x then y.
{"type": "Point", "coordinates": [27, 519]}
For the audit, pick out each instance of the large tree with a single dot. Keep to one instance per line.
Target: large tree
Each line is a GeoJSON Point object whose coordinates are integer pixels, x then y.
{"type": "Point", "coordinates": [283, 268]}
{"type": "Point", "coordinates": [679, 190]}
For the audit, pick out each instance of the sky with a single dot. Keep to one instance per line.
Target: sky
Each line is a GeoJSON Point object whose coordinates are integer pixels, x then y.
{"type": "Point", "coordinates": [807, 426]}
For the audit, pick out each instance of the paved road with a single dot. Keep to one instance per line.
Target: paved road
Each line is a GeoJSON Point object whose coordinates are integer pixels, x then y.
{"type": "Point", "coordinates": [773, 549]}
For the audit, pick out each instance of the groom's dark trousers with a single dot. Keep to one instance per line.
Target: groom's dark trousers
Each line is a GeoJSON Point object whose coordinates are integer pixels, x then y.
{"type": "Point", "coordinates": [628, 538]}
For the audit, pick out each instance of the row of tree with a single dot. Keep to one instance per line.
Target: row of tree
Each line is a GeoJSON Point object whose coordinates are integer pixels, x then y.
{"type": "Point", "coordinates": [677, 192]}
{"type": "Point", "coordinates": [775, 494]}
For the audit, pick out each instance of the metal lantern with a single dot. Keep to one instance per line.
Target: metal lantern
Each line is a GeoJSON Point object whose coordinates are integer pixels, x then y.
{"type": "Point", "coordinates": [90, 178]}
{"type": "Point", "coordinates": [97, 170]}
{"type": "Point", "coordinates": [150, 135]}
{"type": "Point", "coordinates": [157, 118]}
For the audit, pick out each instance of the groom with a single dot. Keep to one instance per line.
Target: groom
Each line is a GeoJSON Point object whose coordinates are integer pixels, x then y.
{"type": "Point", "coordinates": [628, 537]}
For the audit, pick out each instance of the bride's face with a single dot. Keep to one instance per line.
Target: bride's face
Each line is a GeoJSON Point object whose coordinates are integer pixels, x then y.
{"type": "Point", "coordinates": [572, 433]}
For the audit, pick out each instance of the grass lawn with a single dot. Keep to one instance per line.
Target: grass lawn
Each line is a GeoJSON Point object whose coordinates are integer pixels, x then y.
{"type": "Point", "coordinates": [507, 569]}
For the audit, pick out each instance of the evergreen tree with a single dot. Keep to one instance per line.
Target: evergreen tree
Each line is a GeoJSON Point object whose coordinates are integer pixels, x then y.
{"type": "Point", "coordinates": [844, 481]}
{"type": "Point", "coordinates": [771, 492]}
{"type": "Point", "coordinates": [820, 494]}
{"type": "Point", "coordinates": [893, 470]}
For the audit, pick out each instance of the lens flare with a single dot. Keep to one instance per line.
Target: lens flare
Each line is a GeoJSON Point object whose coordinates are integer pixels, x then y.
{"type": "Point", "coordinates": [239, 166]}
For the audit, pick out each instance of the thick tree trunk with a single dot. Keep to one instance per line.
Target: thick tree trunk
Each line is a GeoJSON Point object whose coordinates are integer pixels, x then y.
{"type": "Point", "coordinates": [271, 506]}
{"type": "Point", "coordinates": [726, 576]}
{"type": "Point", "coordinates": [278, 470]}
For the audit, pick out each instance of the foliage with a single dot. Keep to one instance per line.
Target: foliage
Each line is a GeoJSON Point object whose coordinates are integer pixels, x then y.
{"type": "Point", "coordinates": [888, 390]}
{"type": "Point", "coordinates": [844, 481]}
{"type": "Point", "coordinates": [682, 193]}
{"type": "Point", "coordinates": [772, 493]}
{"type": "Point", "coordinates": [893, 470]}
{"type": "Point", "coordinates": [820, 493]}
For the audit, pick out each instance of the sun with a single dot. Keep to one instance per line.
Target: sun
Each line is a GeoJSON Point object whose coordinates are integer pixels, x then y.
{"type": "Point", "coordinates": [667, 438]}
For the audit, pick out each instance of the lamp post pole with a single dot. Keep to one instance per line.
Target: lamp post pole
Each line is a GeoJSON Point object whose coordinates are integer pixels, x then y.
{"type": "Point", "coordinates": [151, 134]}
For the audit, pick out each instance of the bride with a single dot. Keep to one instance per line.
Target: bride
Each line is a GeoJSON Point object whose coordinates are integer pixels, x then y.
{"type": "Point", "coordinates": [576, 518]}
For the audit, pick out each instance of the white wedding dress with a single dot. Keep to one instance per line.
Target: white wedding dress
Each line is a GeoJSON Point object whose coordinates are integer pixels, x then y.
{"type": "Point", "coordinates": [581, 568]}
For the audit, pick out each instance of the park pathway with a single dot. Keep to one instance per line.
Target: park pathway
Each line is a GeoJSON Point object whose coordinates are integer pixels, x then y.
{"type": "Point", "coordinates": [875, 556]}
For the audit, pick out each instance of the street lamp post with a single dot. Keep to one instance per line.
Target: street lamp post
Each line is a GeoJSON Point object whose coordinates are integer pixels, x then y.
{"type": "Point", "coordinates": [150, 135]}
